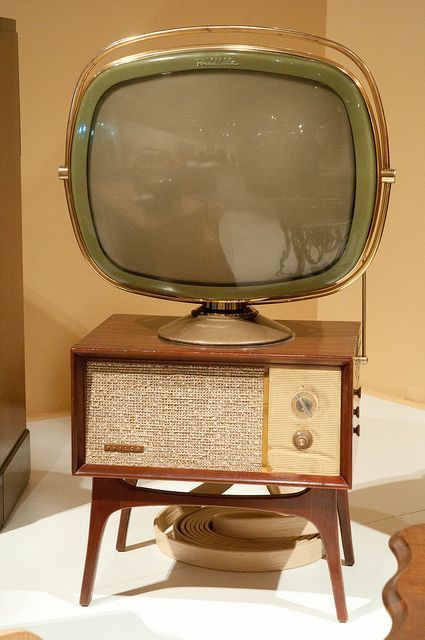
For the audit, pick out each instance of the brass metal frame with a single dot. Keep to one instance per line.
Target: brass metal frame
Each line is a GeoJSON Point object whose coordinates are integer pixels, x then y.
{"type": "Point", "coordinates": [367, 87]}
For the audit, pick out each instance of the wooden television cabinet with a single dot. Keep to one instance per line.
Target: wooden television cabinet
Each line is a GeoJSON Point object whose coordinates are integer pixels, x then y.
{"type": "Point", "coordinates": [275, 415]}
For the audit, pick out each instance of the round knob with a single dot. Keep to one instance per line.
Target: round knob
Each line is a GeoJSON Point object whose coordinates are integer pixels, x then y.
{"type": "Point", "coordinates": [356, 430]}
{"type": "Point", "coordinates": [304, 404]}
{"type": "Point", "coordinates": [302, 439]}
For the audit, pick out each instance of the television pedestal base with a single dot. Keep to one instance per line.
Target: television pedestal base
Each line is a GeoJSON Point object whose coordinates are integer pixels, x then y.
{"type": "Point", "coordinates": [241, 326]}
{"type": "Point", "coordinates": [321, 506]}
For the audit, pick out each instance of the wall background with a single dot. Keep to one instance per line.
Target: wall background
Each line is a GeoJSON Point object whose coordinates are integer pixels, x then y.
{"type": "Point", "coordinates": [389, 37]}
{"type": "Point", "coordinates": [64, 298]}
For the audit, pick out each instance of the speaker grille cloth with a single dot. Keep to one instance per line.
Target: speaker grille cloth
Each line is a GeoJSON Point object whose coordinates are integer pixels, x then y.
{"type": "Point", "coordinates": [185, 416]}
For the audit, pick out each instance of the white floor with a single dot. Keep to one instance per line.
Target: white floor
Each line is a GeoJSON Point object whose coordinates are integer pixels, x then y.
{"type": "Point", "coordinates": [143, 594]}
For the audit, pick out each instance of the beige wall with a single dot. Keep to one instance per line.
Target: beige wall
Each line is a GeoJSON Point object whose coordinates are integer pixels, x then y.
{"type": "Point", "coordinates": [64, 298]}
{"type": "Point", "coordinates": [389, 36]}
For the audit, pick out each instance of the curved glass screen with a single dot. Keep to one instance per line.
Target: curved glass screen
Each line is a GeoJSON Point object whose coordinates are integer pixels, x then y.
{"type": "Point", "coordinates": [222, 177]}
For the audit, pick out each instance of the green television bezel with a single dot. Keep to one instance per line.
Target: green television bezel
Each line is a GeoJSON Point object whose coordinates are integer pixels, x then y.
{"type": "Point", "coordinates": [267, 62]}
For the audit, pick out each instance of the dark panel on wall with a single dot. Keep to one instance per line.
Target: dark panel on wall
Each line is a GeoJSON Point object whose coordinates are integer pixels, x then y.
{"type": "Point", "coordinates": [12, 383]}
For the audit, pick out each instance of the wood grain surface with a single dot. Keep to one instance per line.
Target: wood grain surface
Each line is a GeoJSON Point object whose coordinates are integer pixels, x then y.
{"type": "Point", "coordinates": [126, 336]}
{"type": "Point", "coordinates": [404, 594]}
{"type": "Point", "coordinates": [134, 337]}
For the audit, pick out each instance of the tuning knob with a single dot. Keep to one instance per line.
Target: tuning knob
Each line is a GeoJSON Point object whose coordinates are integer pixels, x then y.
{"type": "Point", "coordinates": [302, 439]}
{"type": "Point", "coordinates": [358, 392]}
{"type": "Point", "coordinates": [356, 430]}
{"type": "Point", "coordinates": [357, 412]}
{"type": "Point", "coordinates": [304, 404]}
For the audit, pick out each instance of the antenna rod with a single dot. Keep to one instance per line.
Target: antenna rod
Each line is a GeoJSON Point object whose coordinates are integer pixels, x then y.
{"type": "Point", "coordinates": [362, 359]}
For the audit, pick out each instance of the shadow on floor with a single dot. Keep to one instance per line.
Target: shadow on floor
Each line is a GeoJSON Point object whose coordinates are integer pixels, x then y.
{"type": "Point", "coordinates": [386, 507]}
{"type": "Point", "coordinates": [197, 583]}
{"type": "Point", "coordinates": [46, 494]}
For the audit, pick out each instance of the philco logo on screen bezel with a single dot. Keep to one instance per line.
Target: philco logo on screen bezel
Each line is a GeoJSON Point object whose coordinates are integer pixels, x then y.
{"type": "Point", "coordinates": [216, 61]}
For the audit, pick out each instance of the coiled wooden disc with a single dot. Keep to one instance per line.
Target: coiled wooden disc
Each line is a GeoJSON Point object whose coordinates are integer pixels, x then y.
{"type": "Point", "coordinates": [236, 539]}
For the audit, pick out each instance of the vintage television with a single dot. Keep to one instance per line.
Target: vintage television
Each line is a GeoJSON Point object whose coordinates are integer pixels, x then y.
{"type": "Point", "coordinates": [227, 167]}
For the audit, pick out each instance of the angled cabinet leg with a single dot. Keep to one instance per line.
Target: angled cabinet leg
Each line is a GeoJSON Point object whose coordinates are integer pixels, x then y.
{"type": "Point", "coordinates": [320, 506]}
{"type": "Point", "coordinates": [345, 526]}
{"type": "Point", "coordinates": [324, 516]}
{"type": "Point", "coordinates": [99, 514]}
{"type": "Point", "coordinates": [331, 544]}
{"type": "Point", "coordinates": [123, 525]}
{"type": "Point", "coordinates": [122, 529]}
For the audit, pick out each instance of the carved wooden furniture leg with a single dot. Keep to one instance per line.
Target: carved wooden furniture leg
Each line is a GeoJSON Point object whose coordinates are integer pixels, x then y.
{"type": "Point", "coordinates": [317, 505]}
{"type": "Point", "coordinates": [345, 526]}
{"type": "Point", "coordinates": [404, 594]}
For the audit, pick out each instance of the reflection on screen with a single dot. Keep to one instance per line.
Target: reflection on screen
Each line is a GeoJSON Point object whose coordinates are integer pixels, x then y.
{"type": "Point", "coordinates": [222, 177]}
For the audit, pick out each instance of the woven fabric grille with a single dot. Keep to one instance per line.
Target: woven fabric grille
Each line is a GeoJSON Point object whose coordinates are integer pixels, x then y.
{"type": "Point", "coordinates": [185, 416]}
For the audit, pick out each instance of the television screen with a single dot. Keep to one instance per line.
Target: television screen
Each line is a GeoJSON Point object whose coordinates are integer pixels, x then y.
{"type": "Point", "coordinates": [250, 182]}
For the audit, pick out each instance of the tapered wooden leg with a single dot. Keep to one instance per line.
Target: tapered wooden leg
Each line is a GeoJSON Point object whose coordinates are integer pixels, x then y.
{"type": "Point", "coordinates": [122, 530]}
{"type": "Point", "coordinates": [123, 525]}
{"type": "Point", "coordinates": [99, 514]}
{"type": "Point", "coordinates": [345, 526]}
{"type": "Point", "coordinates": [327, 506]}
{"type": "Point", "coordinates": [325, 517]}
{"type": "Point", "coordinates": [320, 506]}
{"type": "Point", "coordinates": [331, 544]}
